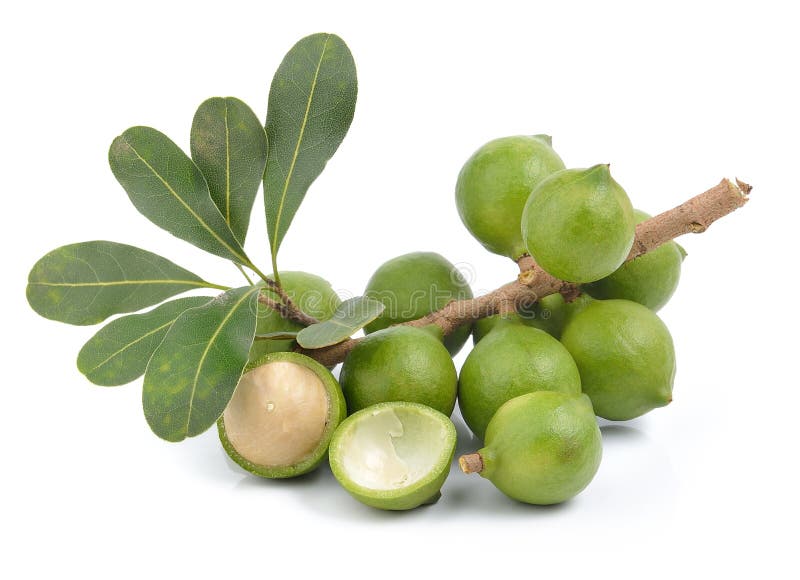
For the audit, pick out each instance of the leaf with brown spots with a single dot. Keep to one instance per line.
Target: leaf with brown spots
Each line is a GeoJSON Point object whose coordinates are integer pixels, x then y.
{"type": "Point", "coordinates": [193, 373]}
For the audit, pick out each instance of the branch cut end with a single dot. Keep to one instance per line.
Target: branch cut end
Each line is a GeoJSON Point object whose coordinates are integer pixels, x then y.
{"type": "Point", "coordinates": [744, 188]}
{"type": "Point", "coordinates": [471, 463]}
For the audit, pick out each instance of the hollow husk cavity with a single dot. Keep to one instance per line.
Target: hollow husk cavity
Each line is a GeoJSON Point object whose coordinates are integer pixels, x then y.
{"type": "Point", "coordinates": [282, 416]}
{"type": "Point", "coordinates": [393, 456]}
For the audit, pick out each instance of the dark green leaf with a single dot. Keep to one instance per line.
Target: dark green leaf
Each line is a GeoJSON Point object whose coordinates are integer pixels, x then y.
{"type": "Point", "coordinates": [119, 352]}
{"type": "Point", "coordinates": [169, 189]}
{"type": "Point", "coordinates": [276, 336]}
{"type": "Point", "coordinates": [194, 371]}
{"type": "Point", "coordinates": [349, 317]}
{"type": "Point", "coordinates": [229, 146]}
{"type": "Point", "coordinates": [88, 282]}
{"type": "Point", "coordinates": [311, 104]}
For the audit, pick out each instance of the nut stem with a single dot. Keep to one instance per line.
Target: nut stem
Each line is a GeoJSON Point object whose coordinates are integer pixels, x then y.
{"type": "Point", "coordinates": [471, 463]}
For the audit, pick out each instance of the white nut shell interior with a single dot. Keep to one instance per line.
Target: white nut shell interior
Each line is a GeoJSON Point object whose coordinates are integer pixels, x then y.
{"type": "Point", "coordinates": [388, 449]}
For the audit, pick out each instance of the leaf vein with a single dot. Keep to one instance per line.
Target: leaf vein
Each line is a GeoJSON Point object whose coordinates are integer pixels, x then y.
{"type": "Point", "coordinates": [188, 207]}
{"type": "Point", "coordinates": [227, 168]}
{"type": "Point", "coordinates": [130, 345]}
{"type": "Point", "coordinates": [297, 149]}
{"type": "Point", "coordinates": [120, 283]}
{"type": "Point", "coordinates": [210, 343]}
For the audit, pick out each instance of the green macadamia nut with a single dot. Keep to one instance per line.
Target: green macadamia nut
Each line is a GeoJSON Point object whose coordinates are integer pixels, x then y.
{"type": "Point", "coordinates": [578, 224]}
{"type": "Point", "coordinates": [494, 184]}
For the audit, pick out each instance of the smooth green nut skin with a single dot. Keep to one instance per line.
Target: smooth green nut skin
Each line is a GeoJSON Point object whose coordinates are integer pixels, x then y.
{"type": "Point", "coordinates": [483, 326]}
{"type": "Point", "coordinates": [401, 363]}
{"type": "Point", "coordinates": [650, 279]}
{"type": "Point", "coordinates": [494, 184]}
{"type": "Point", "coordinates": [578, 224]}
{"type": "Point", "coordinates": [511, 361]}
{"type": "Point", "coordinates": [312, 294]}
{"type": "Point", "coordinates": [413, 285]}
{"type": "Point", "coordinates": [625, 356]}
{"type": "Point", "coordinates": [542, 448]}
{"type": "Point", "coordinates": [550, 314]}
{"type": "Point", "coordinates": [423, 492]}
{"type": "Point", "coordinates": [337, 412]}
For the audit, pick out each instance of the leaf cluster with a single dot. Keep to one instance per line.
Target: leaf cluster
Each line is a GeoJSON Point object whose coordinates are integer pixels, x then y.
{"type": "Point", "coordinates": [193, 350]}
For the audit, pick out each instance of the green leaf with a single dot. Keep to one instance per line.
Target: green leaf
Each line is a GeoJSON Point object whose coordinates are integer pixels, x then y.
{"type": "Point", "coordinates": [349, 317]}
{"type": "Point", "coordinates": [169, 190]}
{"type": "Point", "coordinates": [119, 352]}
{"type": "Point", "coordinates": [88, 282]}
{"type": "Point", "coordinates": [192, 374]}
{"type": "Point", "coordinates": [311, 104]}
{"type": "Point", "coordinates": [229, 146]}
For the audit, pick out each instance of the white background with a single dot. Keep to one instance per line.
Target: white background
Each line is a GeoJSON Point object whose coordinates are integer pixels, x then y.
{"type": "Point", "coordinates": [675, 96]}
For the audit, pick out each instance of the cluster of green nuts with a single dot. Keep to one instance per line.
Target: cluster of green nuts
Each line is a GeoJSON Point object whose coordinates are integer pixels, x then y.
{"type": "Point", "coordinates": [530, 388]}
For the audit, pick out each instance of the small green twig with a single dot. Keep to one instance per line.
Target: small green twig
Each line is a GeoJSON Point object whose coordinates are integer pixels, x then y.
{"type": "Point", "coordinates": [258, 272]}
{"type": "Point", "coordinates": [241, 269]}
{"type": "Point", "coordinates": [217, 286]}
{"type": "Point", "coordinates": [275, 269]}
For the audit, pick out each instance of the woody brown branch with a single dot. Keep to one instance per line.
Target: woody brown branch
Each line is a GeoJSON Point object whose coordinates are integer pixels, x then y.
{"type": "Point", "coordinates": [533, 283]}
{"type": "Point", "coordinates": [285, 306]}
{"type": "Point", "coordinates": [288, 310]}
